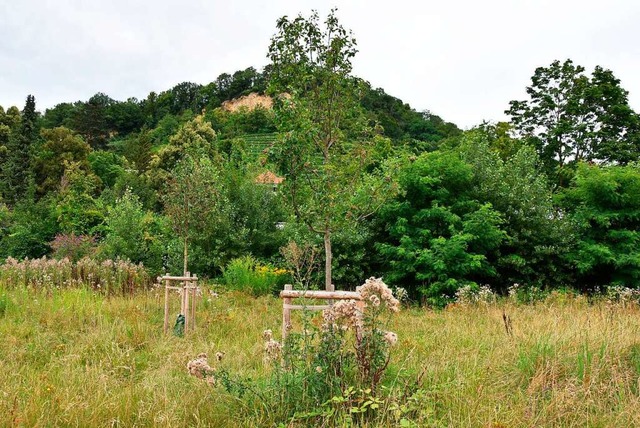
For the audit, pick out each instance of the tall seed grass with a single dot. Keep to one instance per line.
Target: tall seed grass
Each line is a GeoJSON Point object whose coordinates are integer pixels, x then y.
{"type": "Point", "coordinates": [107, 276]}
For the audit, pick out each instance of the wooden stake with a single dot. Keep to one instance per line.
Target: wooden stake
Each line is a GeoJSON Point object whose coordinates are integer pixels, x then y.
{"type": "Point", "coordinates": [186, 306]}
{"type": "Point", "coordinates": [286, 313]}
{"type": "Point", "coordinates": [166, 306]}
{"type": "Point", "coordinates": [193, 307]}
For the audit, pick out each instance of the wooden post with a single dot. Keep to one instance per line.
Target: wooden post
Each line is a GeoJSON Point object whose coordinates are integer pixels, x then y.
{"type": "Point", "coordinates": [194, 290]}
{"type": "Point", "coordinates": [286, 313]}
{"type": "Point", "coordinates": [360, 303]}
{"type": "Point", "coordinates": [188, 291]}
{"type": "Point", "coordinates": [185, 290]}
{"type": "Point", "coordinates": [166, 305]}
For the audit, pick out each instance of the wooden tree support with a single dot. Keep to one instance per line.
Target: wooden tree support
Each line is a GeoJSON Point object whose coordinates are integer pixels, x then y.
{"type": "Point", "coordinates": [188, 291]}
{"type": "Point", "coordinates": [288, 294]}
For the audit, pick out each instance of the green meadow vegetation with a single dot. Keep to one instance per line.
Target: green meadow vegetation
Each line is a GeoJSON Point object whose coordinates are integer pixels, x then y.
{"type": "Point", "coordinates": [78, 358]}
{"type": "Point", "coordinates": [512, 249]}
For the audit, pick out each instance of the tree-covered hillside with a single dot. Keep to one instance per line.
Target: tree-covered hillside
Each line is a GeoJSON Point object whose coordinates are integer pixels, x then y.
{"type": "Point", "coordinates": [336, 170]}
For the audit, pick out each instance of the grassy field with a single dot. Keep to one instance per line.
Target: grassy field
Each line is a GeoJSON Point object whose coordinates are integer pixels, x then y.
{"type": "Point", "coordinates": [75, 358]}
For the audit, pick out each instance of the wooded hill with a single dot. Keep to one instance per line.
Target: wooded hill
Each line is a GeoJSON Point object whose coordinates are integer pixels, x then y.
{"type": "Point", "coordinates": [499, 204]}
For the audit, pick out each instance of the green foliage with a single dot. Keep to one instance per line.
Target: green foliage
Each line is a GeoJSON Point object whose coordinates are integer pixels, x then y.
{"type": "Point", "coordinates": [91, 119]}
{"type": "Point", "coordinates": [572, 117]}
{"type": "Point", "coordinates": [61, 146]}
{"type": "Point", "coordinates": [248, 275]}
{"type": "Point", "coordinates": [517, 188]}
{"type": "Point", "coordinates": [195, 138]}
{"type": "Point", "coordinates": [17, 169]}
{"type": "Point", "coordinates": [77, 210]}
{"type": "Point", "coordinates": [107, 166]}
{"type": "Point", "coordinates": [438, 235]}
{"type": "Point", "coordinates": [134, 234]}
{"type": "Point", "coordinates": [403, 124]}
{"type": "Point", "coordinates": [27, 229]}
{"type": "Point", "coordinates": [604, 202]}
{"type": "Point", "coordinates": [228, 124]}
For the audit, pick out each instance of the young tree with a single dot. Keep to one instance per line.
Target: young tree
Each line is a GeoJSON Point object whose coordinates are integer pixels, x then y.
{"type": "Point", "coordinates": [571, 117]}
{"type": "Point", "coordinates": [192, 197]}
{"type": "Point", "coordinates": [326, 150]}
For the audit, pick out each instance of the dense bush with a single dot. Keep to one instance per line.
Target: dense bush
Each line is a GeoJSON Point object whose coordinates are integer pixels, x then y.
{"type": "Point", "coordinates": [247, 274]}
{"type": "Point", "coordinates": [438, 236]}
{"type": "Point", "coordinates": [604, 203]}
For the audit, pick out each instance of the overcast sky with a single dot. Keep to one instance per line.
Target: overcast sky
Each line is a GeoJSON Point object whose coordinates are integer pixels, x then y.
{"type": "Point", "coordinates": [463, 60]}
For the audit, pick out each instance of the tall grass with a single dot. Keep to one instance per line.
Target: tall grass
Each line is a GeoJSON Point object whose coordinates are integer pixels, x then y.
{"type": "Point", "coordinates": [73, 357]}
{"type": "Point", "coordinates": [108, 276]}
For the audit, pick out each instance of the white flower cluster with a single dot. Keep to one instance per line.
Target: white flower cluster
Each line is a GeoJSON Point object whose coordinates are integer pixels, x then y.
{"type": "Point", "coordinates": [623, 295]}
{"type": "Point", "coordinates": [374, 291]}
{"type": "Point", "coordinates": [468, 296]}
{"type": "Point", "coordinates": [391, 338]}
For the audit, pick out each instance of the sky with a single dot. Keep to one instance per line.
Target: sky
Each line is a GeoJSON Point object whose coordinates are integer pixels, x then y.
{"type": "Point", "coordinates": [463, 60]}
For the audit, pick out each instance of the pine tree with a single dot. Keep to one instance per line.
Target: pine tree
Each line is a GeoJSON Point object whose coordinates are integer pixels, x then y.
{"type": "Point", "coordinates": [17, 171]}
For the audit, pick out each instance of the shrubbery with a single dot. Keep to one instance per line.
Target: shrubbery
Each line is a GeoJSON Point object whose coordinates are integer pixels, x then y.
{"type": "Point", "coordinates": [248, 275]}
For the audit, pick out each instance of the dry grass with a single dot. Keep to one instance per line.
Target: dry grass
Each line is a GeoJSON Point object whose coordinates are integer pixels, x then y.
{"type": "Point", "coordinates": [75, 358]}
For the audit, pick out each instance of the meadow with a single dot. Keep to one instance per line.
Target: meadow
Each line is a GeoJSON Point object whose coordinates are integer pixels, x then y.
{"type": "Point", "coordinates": [74, 357]}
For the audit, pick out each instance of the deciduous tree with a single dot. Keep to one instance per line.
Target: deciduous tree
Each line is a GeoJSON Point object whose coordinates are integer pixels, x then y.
{"type": "Point", "coordinates": [326, 149]}
{"type": "Point", "coordinates": [571, 117]}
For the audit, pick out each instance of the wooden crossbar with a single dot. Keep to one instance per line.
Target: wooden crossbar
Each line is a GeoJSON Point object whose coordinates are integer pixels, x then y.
{"type": "Point", "coordinates": [288, 294]}
{"type": "Point", "coordinates": [307, 307]}
{"type": "Point", "coordinates": [188, 295]}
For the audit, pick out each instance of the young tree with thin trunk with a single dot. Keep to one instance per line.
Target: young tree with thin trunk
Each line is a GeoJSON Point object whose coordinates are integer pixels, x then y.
{"type": "Point", "coordinates": [192, 198]}
{"type": "Point", "coordinates": [327, 150]}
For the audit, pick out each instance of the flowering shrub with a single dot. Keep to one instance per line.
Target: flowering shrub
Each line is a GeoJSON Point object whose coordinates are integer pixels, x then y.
{"type": "Point", "coordinates": [473, 295]}
{"type": "Point", "coordinates": [108, 276]}
{"type": "Point", "coordinates": [349, 351]}
{"type": "Point", "coordinates": [624, 295]}
{"type": "Point", "coordinates": [246, 274]}
{"type": "Point", "coordinates": [330, 373]}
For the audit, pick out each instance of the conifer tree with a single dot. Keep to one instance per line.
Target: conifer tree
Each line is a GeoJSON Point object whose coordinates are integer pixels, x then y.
{"type": "Point", "coordinates": [17, 171]}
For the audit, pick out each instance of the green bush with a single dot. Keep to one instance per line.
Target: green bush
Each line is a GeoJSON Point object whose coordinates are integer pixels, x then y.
{"type": "Point", "coordinates": [246, 274]}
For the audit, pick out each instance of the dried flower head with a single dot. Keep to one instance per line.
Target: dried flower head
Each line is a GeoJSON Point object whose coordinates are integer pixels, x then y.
{"type": "Point", "coordinates": [272, 350]}
{"type": "Point", "coordinates": [376, 287]}
{"type": "Point", "coordinates": [344, 314]}
{"type": "Point", "coordinates": [200, 367]}
{"type": "Point", "coordinates": [391, 338]}
{"type": "Point", "coordinates": [375, 300]}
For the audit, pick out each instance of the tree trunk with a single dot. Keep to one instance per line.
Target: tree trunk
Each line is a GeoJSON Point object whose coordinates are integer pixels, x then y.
{"type": "Point", "coordinates": [327, 263]}
{"type": "Point", "coordinates": [185, 255]}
